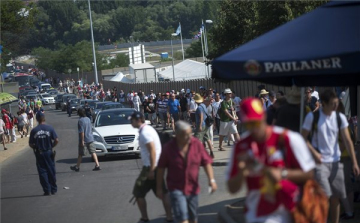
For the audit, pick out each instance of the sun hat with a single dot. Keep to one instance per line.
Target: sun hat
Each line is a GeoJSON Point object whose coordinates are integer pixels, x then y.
{"type": "Point", "coordinates": [263, 91]}
{"type": "Point", "coordinates": [227, 91]}
{"type": "Point", "coordinates": [294, 96]}
{"type": "Point", "coordinates": [251, 109]}
{"type": "Point", "coordinates": [198, 98]}
{"type": "Point", "coordinates": [145, 98]}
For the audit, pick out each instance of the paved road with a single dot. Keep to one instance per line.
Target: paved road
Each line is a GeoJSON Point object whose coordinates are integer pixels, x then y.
{"type": "Point", "coordinates": [93, 197]}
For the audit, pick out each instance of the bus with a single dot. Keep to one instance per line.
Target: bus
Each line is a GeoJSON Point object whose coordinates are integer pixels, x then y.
{"type": "Point", "coordinates": [23, 79]}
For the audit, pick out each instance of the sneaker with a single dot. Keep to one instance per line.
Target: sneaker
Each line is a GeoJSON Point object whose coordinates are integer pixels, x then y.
{"type": "Point", "coordinates": [5, 148]}
{"type": "Point", "coordinates": [47, 194]}
{"type": "Point", "coordinates": [229, 143]}
{"type": "Point", "coordinates": [97, 168]}
{"type": "Point", "coordinates": [75, 168]}
{"type": "Point", "coordinates": [53, 193]}
{"type": "Point", "coordinates": [143, 220]}
{"type": "Point", "coordinates": [345, 216]}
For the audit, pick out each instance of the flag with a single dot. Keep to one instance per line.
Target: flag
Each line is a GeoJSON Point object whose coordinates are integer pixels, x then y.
{"type": "Point", "coordinates": [178, 31]}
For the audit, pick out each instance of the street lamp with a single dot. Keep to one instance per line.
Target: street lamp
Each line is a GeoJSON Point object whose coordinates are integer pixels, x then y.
{"type": "Point", "coordinates": [172, 55]}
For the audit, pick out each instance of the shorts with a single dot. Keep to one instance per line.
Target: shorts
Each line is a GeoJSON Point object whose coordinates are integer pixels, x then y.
{"type": "Point", "coordinates": [203, 135]}
{"type": "Point", "coordinates": [175, 117]}
{"type": "Point", "coordinates": [89, 147]}
{"type": "Point", "coordinates": [143, 185]}
{"type": "Point", "coordinates": [184, 206]}
{"type": "Point", "coordinates": [20, 128]}
{"type": "Point", "coordinates": [349, 185]}
{"type": "Point", "coordinates": [330, 176]}
{"type": "Point", "coordinates": [227, 128]}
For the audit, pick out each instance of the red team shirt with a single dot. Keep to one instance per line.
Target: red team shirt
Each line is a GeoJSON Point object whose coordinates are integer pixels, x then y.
{"type": "Point", "coordinates": [260, 209]}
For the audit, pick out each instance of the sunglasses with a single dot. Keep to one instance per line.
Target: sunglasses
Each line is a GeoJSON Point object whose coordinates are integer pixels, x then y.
{"type": "Point", "coordinates": [252, 125]}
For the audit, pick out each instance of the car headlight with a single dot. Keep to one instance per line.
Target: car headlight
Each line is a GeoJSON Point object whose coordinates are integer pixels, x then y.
{"type": "Point", "coordinates": [64, 103]}
{"type": "Point", "coordinates": [98, 139]}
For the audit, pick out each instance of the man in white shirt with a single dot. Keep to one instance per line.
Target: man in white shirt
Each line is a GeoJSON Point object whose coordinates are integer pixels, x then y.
{"type": "Point", "coordinates": [216, 106]}
{"type": "Point", "coordinates": [136, 102]}
{"type": "Point", "coordinates": [150, 149]}
{"type": "Point", "coordinates": [315, 93]}
{"type": "Point", "coordinates": [236, 101]}
{"type": "Point", "coordinates": [325, 126]}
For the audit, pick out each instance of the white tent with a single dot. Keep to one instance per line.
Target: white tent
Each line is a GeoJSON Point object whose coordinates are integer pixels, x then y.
{"type": "Point", "coordinates": [186, 70]}
{"type": "Point", "coordinates": [119, 77]}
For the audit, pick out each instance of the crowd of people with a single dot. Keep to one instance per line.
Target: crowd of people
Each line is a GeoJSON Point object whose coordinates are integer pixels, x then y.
{"type": "Point", "coordinates": [22, 121]}
{"type": "Point", "coordinates": [281, 159]}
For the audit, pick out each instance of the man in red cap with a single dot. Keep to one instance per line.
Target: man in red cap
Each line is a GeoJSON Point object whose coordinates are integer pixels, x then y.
{"type": "Point", "coordinates": [273, 161]}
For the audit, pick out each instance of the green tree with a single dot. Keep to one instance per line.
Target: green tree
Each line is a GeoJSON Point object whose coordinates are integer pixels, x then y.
{"type": "Point", "coordinates": [195, 50]}
{"type": "Point", "coordinates": [16, 19]}
{"type": "Point", "coordinates": [241, 21]}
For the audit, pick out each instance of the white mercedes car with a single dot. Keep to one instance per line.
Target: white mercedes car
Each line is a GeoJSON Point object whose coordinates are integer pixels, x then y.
{"type": "Point", "coordinates": [114, 134]}
{"type": "Point", "coordinates": [47, 98]}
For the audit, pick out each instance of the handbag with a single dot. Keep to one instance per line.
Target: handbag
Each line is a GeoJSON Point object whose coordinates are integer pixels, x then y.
{"type": "Point", "coordinates": [313, 206]}
{"type": "Point", "coordinates": [209, 121]}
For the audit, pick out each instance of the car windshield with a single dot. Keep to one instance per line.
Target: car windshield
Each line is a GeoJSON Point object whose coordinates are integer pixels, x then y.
{"type": "Point", "coordinates": [75, 101]}
{"type": "Point", "coordinates": [99, 105]}
{"type": "Point", "coordinates": [113, 118]}
{"type": "Point", "coordinates": [91, 103]}
{"type": "Point", "coordinates": [46, 95]}
{"type": "Point", "coordinates": [111, 106]}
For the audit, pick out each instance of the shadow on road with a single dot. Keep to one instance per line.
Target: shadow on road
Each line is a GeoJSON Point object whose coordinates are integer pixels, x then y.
{"type": "Point", "coordinates": [207, 213]}
{"type": "Point", "coordinates": [28, 196]}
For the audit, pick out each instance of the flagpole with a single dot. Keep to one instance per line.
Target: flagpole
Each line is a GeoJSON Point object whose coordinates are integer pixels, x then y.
{"type": "Point", "coordinates": [182, 45]}
{"type": "Point", "coordinates": [202, 46]}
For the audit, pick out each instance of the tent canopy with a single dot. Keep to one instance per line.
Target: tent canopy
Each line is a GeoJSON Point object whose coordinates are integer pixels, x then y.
{"type": "Point", "coordinates": [186, 70]}
{"type": "Point", "coordinates": [119, 77]}
{"type": "Point", "coordinates": [6, 98]}
{"type": "Point", "coordinates": [320, 48]}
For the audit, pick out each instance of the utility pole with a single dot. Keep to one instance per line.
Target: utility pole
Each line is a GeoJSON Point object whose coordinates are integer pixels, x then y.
{"type": "Point", "coordinates": [93, 45]}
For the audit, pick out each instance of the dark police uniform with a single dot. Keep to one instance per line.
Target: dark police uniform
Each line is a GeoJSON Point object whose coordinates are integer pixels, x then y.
{"type": "Point", "coordinates": [42, 137]}
{"type": "Point", "coordinates": [69, 111]}
{"type": "Point", "coordinates": [87, 111]}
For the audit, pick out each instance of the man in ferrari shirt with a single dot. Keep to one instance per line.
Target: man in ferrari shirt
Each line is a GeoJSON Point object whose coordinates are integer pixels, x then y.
{"type": "Point", "coordinates": [258, 159]}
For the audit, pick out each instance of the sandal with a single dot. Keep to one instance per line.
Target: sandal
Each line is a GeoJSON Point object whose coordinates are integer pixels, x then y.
{"type": "Point", "coordinates": [143, 220]}
{"type": "Point", "coordinates": [221, 149]}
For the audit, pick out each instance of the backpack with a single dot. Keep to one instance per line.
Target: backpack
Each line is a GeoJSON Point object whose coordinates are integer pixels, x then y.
{"type": "Point", "coordinates": [313, 206]}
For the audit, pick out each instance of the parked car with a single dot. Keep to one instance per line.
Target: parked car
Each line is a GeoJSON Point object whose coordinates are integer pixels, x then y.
{"type": "Point", "coordinates": [35, 97]}
{"type": "Point", "coordinates": [97, 109]}
{"type": "Point", "coordinates": [112, 105]}
{"type": "Point", "coordinates": [114, 134]}
{"type": "Point", "coordinates": [53, 92]}
{"type": "Point", "coordinates": [75, 104]}
{"type": "Point", "coordinates": [58, 101]}
{"type": "Point", "coordinates": [47, 99]}
{"type": "Point", "coordinates": [65, 99]}
{"type": "Point", "coordinates": [90, 102]}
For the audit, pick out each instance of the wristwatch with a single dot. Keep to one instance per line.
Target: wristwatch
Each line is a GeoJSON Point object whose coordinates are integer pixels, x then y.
{"type": "Point", "coordinates": [284, 173]}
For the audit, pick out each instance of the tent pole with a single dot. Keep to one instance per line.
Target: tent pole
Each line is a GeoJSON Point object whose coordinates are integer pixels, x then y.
{"type": "Point", "coordinates": [302, 107]}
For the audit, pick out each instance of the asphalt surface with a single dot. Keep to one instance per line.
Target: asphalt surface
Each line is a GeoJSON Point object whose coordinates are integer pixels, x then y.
{"type": "Point", "coordinates": [92, 197]}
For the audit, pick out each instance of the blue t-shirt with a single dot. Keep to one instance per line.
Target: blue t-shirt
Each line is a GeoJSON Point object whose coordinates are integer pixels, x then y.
{"type": "Point", "coordinates": [84, 125]}
{"type": "Point", "coordinates": [173, 105]}
{"type": "Point", "coordinates": [201, 109]}
{"type": "Point", "coordinates": [42, 136]}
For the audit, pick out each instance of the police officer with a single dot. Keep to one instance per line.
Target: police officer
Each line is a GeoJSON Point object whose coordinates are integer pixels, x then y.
{"type": "Point", "coordinates": [69, 111]}
{"type": "Point", "coordinates": [87, 109]}
{"type": "Point", "coordinates": [42, 140]}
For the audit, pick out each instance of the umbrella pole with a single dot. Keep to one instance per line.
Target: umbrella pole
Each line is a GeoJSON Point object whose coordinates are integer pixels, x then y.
{"type": "Point", "coordinates": [302, 106]}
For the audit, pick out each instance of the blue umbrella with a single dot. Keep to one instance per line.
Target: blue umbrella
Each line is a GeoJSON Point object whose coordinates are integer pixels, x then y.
{"type": "Point", "coordinates": [320, 48]}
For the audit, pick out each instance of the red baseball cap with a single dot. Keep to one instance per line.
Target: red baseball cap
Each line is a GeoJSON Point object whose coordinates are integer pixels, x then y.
{"type": "Point", "coordinates": [251, 109]}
